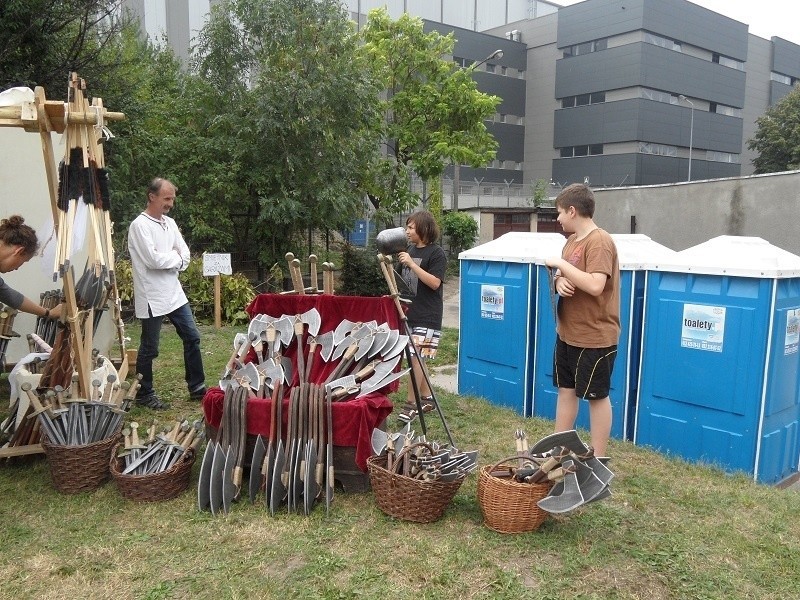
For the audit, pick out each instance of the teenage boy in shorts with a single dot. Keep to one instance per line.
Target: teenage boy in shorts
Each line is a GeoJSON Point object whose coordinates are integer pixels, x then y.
{"type": "Point", "coordinates": [587, 282]}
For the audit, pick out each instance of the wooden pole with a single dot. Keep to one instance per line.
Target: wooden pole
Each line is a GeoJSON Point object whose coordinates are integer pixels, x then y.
{"type": "Point", "coordinates": [217, 302]}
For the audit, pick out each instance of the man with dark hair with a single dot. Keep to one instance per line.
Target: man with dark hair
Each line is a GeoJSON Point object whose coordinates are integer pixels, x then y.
{"type": "Point", "coordinates": [158, 253]}
{"type": "Point", "coordinates": [587, 281]}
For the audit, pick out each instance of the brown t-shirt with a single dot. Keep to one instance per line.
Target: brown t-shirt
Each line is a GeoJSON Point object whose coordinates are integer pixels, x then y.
{"type": "Point", "coordinates": [584, 320]}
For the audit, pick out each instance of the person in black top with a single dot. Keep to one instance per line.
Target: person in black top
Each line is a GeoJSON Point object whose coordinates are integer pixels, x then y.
{"type": "Point", "coordinates": [423, 268]}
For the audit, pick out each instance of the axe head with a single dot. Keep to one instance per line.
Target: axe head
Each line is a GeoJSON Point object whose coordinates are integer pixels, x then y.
{"type": "Point", "coordinates": [277, 490]}
{"type": "Point", "coordinates": [342, 346]}
{"type": "Point", "coordinates": [215, 482]}
{"type": "Point", "coordinates": [390, 241]}
{"type": "Point", "coordinates": [228, 487]}
{"type": "Point", "coordinates": [285, 328]}
{"type": "Point", "coordinates": [381, 337]}
{"type": "Point", "coordinates": [312, 319]}
{"type": "Point", "coordinates": [271, 371]}
{"type": "Point", "coordinates": [259, 452]}
{"type": "Point", "coordinates": [342, 329]}
{"type": "Point", "coordinates": [375, 385]}
{"type": "Point", "coordinates": [249, 375]}
{"type": "Point", "coordinates": [326, 344]}
{"type": "Point", "coordinates": [204, 481]}
{"type": "Point", "coordinates": [397, 349]}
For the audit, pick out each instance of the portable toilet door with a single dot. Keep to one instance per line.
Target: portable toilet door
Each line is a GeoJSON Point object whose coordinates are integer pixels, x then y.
{"type": "Point", "coordinates": [635, 252]}
{"type": "Point", "coordinates": [497, 317]}
{"type": "Point", "coordinates": [719, 379]}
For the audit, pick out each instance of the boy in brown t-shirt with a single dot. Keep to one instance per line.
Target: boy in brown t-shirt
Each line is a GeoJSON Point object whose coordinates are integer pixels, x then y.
{"type": "Point", "coordinates": [587, 281]}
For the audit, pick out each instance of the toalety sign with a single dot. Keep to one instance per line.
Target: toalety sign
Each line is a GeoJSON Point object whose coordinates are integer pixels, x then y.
{"type": "Point", "coordinates": [703, 327]}
{"type": "Point", "coordinates": [492, 302]}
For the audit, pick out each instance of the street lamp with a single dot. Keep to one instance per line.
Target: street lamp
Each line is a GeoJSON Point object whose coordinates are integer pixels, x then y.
{"type": "Point", "coordinates": [496, 54]}
{"type": "Point", "coordinates": [457, 167]}
{"type": "Point", "coordinates": [691, 131]}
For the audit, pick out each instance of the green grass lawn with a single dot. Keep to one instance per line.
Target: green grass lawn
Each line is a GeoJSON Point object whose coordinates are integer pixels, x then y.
{"type": "Point", "coordinates": [671, 530]}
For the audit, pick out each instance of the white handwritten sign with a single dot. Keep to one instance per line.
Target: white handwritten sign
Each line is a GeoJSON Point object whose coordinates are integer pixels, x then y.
{"type": "Point", "coordinates": [216, 264]}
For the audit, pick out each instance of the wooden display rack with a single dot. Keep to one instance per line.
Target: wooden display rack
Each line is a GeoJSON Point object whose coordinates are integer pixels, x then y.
{"type": "Point", "coordinates": [83, 126]}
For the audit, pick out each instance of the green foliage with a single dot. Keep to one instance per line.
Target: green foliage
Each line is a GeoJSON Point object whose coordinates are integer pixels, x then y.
{"type": "Point", "coordinates": [41, 41]}
{"type": "Point", "coordinates": [236, 292]}
{"type": "Point", "coordinates": [539, 192]}
{"type": "Point", "coordinates": [286, 123]}
{"type": "Point", "coordinates": [433, 112]}
{"type": "Point", "coordinates": [461, 229]}
{"type": "Point", "coordinates": [361, 275]}
{"type": "Point", "coordinates": [777, 137]}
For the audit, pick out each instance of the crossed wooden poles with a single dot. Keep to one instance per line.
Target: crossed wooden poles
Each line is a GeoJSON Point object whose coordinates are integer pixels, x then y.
{"type": "Point", "coordinates": [387, 268]}
{"type": "Point", "coordinates": [82, 175]}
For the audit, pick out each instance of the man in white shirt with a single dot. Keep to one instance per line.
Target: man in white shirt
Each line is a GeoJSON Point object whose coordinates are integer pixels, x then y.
{"type": "Point", "coordinates": [158, 253]}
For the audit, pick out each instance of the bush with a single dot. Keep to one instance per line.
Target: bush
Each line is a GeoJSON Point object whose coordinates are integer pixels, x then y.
{"type": "Point", "coordinates": [461, 230]}
{"type": "Point", "coordinates": [235, 290]}
{"type": "Point", "coordinates": [361, 275]}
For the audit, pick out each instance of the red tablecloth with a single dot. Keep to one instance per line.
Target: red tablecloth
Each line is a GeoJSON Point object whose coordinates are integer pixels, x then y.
{"type": "Point", "coordinates": [353, 420]}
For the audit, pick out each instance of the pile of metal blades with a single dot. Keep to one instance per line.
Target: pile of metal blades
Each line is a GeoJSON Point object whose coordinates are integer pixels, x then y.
{"type": "Point", "coordinates": [160, 451]}
{"type": "Point", "coordinates": [69, 421]}
{"type": "Point", "coordinates": [415, 457]}
{"type": "Point", "coordinates": [294, 468]}
{"type": "Point", "coordinates": [222, 469]}
{"type": "Point", "coordinates": [578, 476]}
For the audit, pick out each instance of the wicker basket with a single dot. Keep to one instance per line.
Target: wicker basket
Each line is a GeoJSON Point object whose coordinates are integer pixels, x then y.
{"type": "Point", "coordinates": [76, 469]}
{"type": "Point", "coordinates": [155, 486]}
{"type": "Point", "coordinates": [407, 498]}
{"type": "Point", "coordinates": [509, 506]}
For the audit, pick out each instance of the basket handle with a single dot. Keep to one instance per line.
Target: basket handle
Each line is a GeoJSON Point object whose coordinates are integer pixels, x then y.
{"type": "Point", "coordinates": [406, 450]}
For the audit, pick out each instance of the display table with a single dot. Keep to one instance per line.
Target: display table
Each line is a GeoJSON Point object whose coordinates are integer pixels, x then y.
{"type": "Point", "coordinates": [354, 419]}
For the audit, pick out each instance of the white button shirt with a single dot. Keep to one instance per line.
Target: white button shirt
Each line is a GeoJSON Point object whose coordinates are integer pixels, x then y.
{"type": "Point", "coordinates": [158, 253]}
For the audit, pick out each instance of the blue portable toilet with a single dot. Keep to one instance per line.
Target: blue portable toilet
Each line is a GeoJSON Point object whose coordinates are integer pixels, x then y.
{"type": "Point", "coordinates": [636, 252]}
{"type": "Point", "coordinates": [497, 317]}
{"type": "Point", "coordinates": [720, 374]}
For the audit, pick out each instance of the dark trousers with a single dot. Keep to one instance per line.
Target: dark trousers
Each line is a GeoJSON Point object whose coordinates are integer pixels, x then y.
{"type": "Point", "coordinates": [183, 320]}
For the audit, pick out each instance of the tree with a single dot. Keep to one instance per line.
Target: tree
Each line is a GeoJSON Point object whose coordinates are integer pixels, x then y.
{"type": "Point", "coordinates": [41, 41]}
{"type": "Point", "coordinates": [286, 121]}
{"type": "Point", "coordinates": [461, 229]}
{"type": "Point", "coordinates": [777, 137]}
{"type": "Point", "coordinates": [434, 113]}
{"type": "Point", "coordinates": [155, 95]}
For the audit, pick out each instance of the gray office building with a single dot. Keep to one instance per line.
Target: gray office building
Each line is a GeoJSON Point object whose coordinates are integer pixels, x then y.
{"type": "Point", "coordinates": [613, 92]}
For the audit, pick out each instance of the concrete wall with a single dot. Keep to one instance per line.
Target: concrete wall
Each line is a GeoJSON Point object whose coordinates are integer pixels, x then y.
{"type": "Point", "coordinates": [686, 214]}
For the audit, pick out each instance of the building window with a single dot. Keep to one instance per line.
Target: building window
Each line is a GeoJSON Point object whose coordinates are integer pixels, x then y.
{"type": "Point", "coordinates": [519, 218]}
{"type": "Point", "coordinates": [582, 150]}
{"type": "Point", "coordinates": [727, 62]}
{"type": "Point", "coordinates": [659, 149]}
{"type": "Point", "coordinates": [583, 100]}
{"type": "Point", "coordinates": [585, 48]}
{"type": "Point", "coordinates": [657, 40]}
{"type": "Point", "coordinates": [780, 78]}
{"type": "Point", "coordinates": [727, 157]}
{"type": "Point", "coordinates": [657, 96]}
{"type": "Point", "coordinates": [722, 109]}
